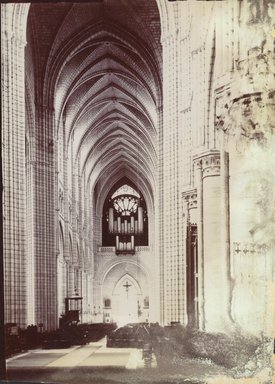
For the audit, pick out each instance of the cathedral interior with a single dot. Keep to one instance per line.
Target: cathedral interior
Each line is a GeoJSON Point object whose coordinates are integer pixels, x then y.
{"type": "Point", "coordinates": [138, 162]}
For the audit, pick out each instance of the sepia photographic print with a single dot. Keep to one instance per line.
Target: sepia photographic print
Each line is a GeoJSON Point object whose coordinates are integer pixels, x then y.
{"type": "Point", "coordinates": [138, 192]}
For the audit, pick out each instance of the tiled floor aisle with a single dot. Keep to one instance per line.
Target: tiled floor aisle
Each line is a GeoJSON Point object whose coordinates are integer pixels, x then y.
{"type": "Point", "coordinates": [90, 355]}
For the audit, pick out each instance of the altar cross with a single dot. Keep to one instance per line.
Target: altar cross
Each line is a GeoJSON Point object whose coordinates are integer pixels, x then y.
{"type": "Point", "coordinates": [127, 286]}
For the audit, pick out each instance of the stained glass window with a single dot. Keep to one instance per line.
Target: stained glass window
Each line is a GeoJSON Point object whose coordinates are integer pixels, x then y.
{"type": "Point", "coordinates": [125, 205]}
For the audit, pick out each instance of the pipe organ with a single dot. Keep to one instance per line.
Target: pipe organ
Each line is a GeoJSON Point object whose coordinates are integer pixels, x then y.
{"type": "Point", "coordinates": [126, 220]}
{"type": "Point", "coordinates": [126, 225]}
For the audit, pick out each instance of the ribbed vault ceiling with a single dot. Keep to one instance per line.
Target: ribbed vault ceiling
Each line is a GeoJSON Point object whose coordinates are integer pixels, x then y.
{"type": "Point", "coordinates": [104, 81]}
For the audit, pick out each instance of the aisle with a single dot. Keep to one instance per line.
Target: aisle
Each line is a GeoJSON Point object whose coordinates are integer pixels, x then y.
{"type": "Point", "coordinates": [90, 355]}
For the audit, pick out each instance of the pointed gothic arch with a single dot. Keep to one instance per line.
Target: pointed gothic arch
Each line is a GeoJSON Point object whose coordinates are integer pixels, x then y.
{"type": "Point", "coordinates": [127, 278]}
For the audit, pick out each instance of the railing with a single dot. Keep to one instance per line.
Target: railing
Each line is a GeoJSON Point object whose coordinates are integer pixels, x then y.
{"type": "Point", "coordinates": [106, 249]}
{"type": "Point", "coordinates": [141, 248]}
{"type": "Point", "coordinates": [125, 251]}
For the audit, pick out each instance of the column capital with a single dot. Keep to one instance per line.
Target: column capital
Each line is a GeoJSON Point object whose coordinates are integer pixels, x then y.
{"type": "Point", "coordinates": [208, 162]}
{"type": "Point", "coordinates": [191, 198]}
{"type": "Point", "coordinates": [244, 109]}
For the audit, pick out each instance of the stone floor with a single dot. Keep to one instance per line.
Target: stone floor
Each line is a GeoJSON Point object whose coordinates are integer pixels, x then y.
{"type": "Point", "coordinates": [90, 355]}
{"type": "Point", "coordinates": [96, 364]}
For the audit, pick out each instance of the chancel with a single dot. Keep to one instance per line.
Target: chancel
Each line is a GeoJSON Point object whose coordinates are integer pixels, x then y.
{"type": "Point", "coordinates": [138, 163]}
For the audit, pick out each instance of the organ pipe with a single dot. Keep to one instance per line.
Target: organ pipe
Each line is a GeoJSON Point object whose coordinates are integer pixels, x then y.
{"type": "Point", "coordinates": [128, 226]}
{"type": "Point", "coordinates": [140, 220]}
{"type": "Point", "coordinates": [111, 220]}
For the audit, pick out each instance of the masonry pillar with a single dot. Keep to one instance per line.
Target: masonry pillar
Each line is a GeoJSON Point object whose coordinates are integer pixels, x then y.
{"type": "Point", "coordinates": [193, 276]}
{"type": "Point", "coordinates": [13, 31]}
{"type": "Point", "coordinates": [199, 189]}
{"type": "Point", "coordinates": [45, 233]}
{"type": "Point", "coordinates": [211, 244]}
{"type": "Point", "coordinates": [245, 122]}
{"type": "Point", "coordinates": [245, 125]}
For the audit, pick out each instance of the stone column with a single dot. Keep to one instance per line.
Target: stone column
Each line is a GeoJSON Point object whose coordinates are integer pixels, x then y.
{"type": "Point", "coordinates": [71, 280]}
{"type": "Point", "coordinates": [210, 243]}
{"type": "Point", "coordinates": [200, 223]}
{"type": "Point", "coordinates": [225, 225]}
{"type": "Point", "coordinates": [45, 234]}
{"type": "Point", "coordinates": [191, 215]}
{"type": "Point", "coordinates": [13, 31]}
{"type": "Point", "coordinates": [246, 128]}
